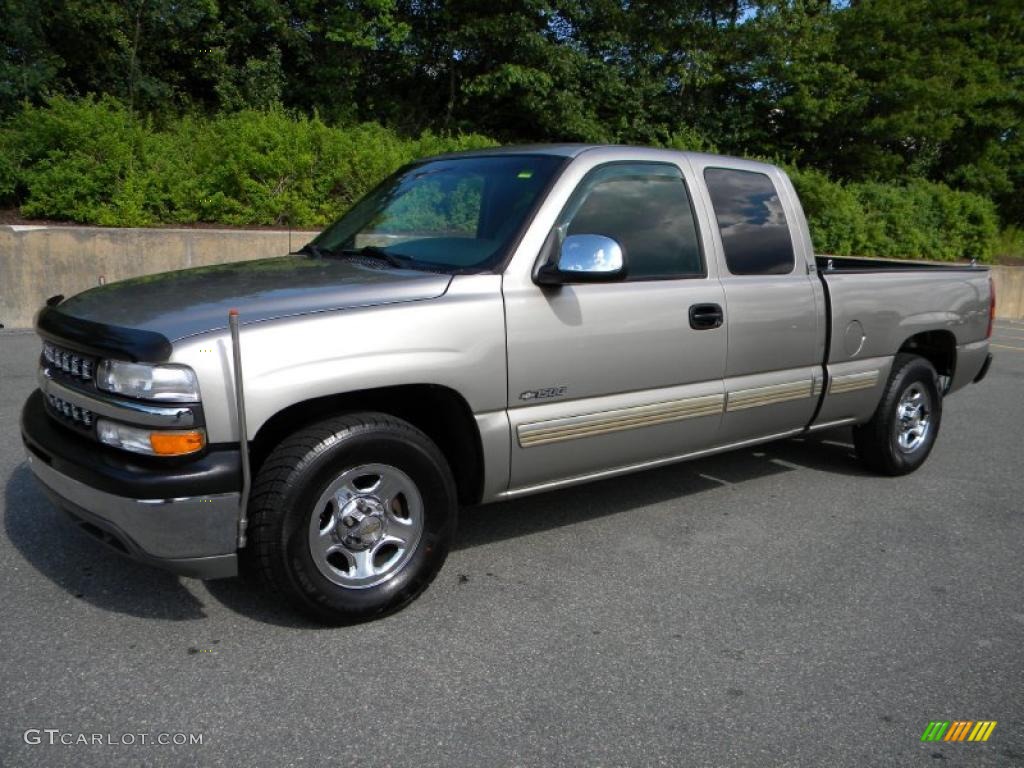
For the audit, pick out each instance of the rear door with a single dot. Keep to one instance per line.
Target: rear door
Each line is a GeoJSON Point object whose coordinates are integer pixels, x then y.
{"type": "Point", "coordinates": [774, 303]}
{"type": "Point", "coordinates": [603, 376]}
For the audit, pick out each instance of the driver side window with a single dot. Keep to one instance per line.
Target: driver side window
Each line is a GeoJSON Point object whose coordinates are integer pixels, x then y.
{"type": "Point", "coordinates": [646, 208]}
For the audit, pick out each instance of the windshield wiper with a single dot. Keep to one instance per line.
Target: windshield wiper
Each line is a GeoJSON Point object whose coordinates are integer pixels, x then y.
{"type": "Point", "coordinates": [368, 251]}
{"type": "Point", "coordinates": [375, 252]}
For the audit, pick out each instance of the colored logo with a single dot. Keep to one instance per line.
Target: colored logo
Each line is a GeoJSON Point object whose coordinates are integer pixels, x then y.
{"type": "Point", "coordinates": [958, 730]}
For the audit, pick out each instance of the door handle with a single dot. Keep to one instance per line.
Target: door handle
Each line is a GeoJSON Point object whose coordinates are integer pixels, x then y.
{"type": "Point", "coordinates": [704, 317]}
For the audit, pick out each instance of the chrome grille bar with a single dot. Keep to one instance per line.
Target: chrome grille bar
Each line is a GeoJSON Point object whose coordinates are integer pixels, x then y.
{"type": "Point", "coordinates": [127, 411]}
{"type": "Point", "coordinates": [75, 414]}
{"type": "Point", "coordinates": [69, 362]}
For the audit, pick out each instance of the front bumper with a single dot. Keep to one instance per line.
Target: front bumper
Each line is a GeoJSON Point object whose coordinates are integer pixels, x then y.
{"type": "Point", "coordinates": [181, 517]}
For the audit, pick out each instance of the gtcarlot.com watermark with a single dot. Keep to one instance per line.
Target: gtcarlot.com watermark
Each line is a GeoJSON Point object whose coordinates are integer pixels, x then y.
{"type": "Point", "coordinates": [55, 737]}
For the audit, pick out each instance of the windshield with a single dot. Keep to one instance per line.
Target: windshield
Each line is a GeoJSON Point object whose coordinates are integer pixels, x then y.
{"type": "Point", "coordinates": [458, 214]}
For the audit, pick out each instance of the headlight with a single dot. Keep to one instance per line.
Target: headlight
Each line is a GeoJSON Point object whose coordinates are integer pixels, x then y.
{"type": "Point", "coordinates": [151, 442]}
{"type": "Point", "coordinates": [166, 383]}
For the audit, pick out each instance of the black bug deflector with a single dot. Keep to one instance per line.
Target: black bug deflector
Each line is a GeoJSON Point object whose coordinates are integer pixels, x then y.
{"type": "Point", "coordinates": [102, 340]}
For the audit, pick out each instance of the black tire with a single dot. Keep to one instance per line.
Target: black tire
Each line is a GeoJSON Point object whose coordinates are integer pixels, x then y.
{"type": "Point", "coordinates": [287, 489]}
{"type": "Point", "coordinates": [877, 442]}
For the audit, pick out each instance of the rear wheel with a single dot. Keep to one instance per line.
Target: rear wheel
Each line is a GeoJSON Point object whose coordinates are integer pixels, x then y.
{"type": "Point", "coordinates": [352, 518]}
{"type": "Point", "coordinates": [902, 431]}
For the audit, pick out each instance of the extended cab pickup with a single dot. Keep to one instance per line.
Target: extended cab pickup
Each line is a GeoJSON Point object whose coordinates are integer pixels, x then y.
{"type": "Point", "coordinates": [479, 327]}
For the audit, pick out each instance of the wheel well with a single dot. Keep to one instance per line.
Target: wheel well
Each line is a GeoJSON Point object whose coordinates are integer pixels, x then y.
{"type": "Point", "coordinates": [441, 413]}
{"type": "Point", "coordinates": [937, 347]}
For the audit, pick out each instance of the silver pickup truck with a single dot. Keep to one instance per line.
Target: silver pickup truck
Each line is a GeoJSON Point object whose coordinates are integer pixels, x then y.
{"type": "Point", "coordinates": [479, 327]}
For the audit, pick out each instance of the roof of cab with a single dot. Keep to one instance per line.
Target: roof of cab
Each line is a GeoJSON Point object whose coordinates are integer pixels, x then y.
{"type": "Point", "coordinates": [559, 150]}
{"type": "Point", "coordinates": [574, 150]}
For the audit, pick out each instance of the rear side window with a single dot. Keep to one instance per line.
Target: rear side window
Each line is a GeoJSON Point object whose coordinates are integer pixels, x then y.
{"type": "Point", "coordinates": [755, 234]}
{"type": "Point", "coordinates": [646, 208]}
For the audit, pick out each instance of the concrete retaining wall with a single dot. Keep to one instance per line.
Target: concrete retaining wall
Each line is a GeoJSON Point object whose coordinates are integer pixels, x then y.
{"type": "Point", "coordinates": [38, 262]}
{"type": "Point", "coordinates": [1009, 282]}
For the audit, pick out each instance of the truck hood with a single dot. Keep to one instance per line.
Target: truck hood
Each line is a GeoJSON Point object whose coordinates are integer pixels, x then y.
{"type": "Point", "coordinates": [191, 301]}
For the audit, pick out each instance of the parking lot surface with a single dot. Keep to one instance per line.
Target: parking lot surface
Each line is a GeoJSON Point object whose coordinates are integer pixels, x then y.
{"type": "Point", "coordinates": [776, 606]}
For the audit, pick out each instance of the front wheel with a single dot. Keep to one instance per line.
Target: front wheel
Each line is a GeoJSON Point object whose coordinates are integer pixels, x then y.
{"type": "Point", "coordinates": [352, 518]}
{"type": "Point", "coordinates": [902, 431]}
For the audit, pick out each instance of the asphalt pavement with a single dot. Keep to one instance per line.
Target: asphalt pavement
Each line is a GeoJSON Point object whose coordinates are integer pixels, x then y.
{"type": "Point", "coordinates": [771, 607]}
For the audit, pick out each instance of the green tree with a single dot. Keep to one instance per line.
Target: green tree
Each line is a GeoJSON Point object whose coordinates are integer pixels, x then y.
{"type": "Point", "coordinates": [28, 66]}
{"type": "Point", "coordinates": [861, 90]}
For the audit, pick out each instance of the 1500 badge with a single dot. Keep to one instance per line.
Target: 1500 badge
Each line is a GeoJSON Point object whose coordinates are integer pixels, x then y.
{"type": "Point", "coordinates": [545, 392]}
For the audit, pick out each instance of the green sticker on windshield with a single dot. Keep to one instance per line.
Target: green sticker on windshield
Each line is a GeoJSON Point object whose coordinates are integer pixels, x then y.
{"type": "Point", "coordinates": [527, 174]}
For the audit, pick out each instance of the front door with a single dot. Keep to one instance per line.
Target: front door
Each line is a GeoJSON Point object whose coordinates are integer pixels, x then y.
{"type": "Point", "coordinates": [603, 376]}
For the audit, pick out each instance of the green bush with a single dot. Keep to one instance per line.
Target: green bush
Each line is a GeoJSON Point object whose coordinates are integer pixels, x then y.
{"type": "Point", "coordinates": [834, 214]}
{"type": "Point", "coordinates": [916, 220]}
{"type": "Point", "coordinates": [77, 160]}
{"type": "Point", "coordinates": [686, 138]}
{"type": "Point", "coordinates": [1010, 245]}
{"type": "Point", "coordinates": [90, 160]}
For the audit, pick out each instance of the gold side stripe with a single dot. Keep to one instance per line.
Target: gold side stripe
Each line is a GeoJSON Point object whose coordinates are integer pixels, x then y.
{"type": "Point", "coordinates": [853, 381]}
{"type": "Point", "coordinates": [776, 393]}
{"type": "Point", "coordinates": [590, 425]}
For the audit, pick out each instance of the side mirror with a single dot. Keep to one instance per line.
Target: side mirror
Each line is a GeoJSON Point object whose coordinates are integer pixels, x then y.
{"type": "Point", "coordinates": [585, 259]}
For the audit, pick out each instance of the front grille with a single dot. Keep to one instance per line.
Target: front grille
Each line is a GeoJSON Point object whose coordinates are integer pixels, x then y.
{"type": "Point", "coordinates": [70, 413]}
{"type": "Point", "coordinates": [74, 364]}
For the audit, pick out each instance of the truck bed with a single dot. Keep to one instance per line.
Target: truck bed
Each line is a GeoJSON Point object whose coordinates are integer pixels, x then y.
{"type": "Point", "coordinates": [886, 303]}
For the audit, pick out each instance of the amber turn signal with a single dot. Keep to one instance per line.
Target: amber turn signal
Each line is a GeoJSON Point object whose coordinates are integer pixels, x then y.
{"type": "Point", "coordinates": [176, 443]}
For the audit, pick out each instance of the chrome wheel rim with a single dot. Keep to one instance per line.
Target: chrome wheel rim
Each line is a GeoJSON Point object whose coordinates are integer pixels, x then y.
{"type": "Point", "coordinates": [913, 418]}
{"type": "Point", "coordinates": [366, 526]}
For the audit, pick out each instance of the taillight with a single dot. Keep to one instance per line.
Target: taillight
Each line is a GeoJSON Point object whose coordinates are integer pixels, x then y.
{"type": "Point", "coordinates": [991, 306]}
